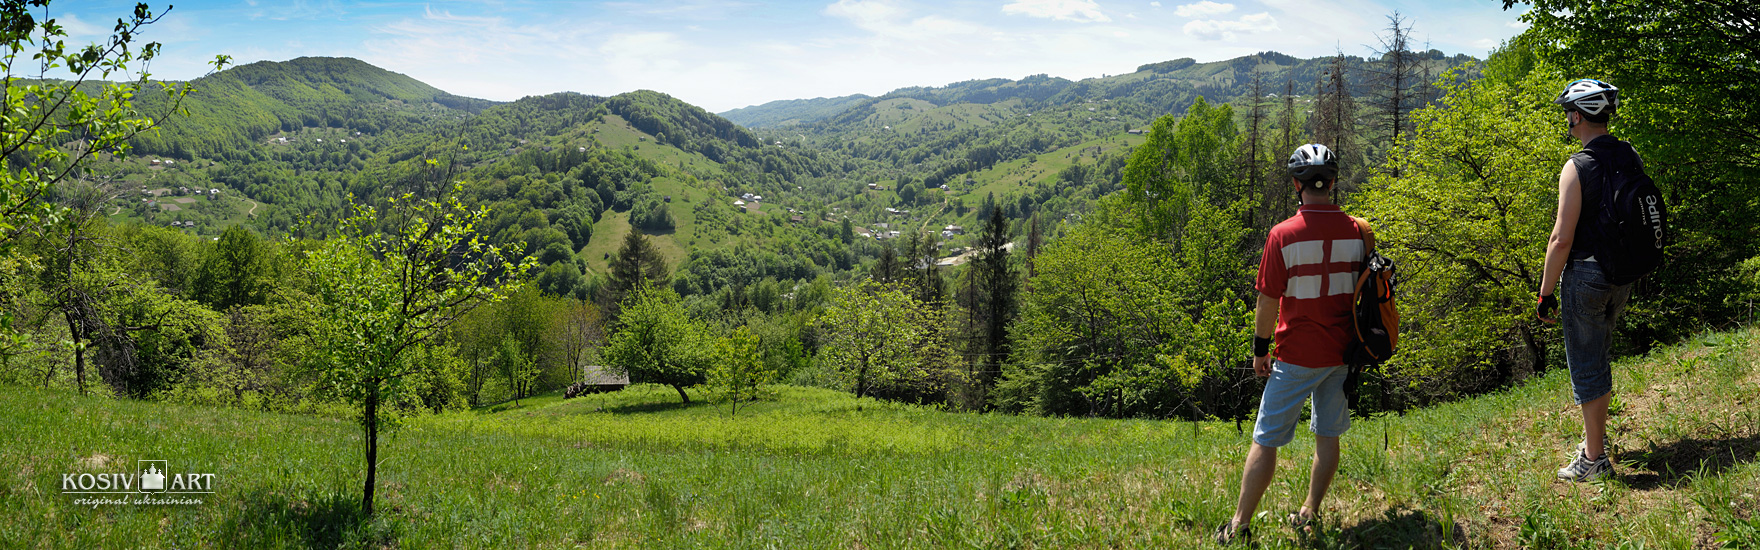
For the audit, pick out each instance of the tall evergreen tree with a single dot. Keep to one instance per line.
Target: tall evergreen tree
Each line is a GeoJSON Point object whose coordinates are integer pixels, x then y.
{"type": "Point", "coordinates": [887, 269]}
{"type": "Point", "coordinates": [996, 299]}
{"type": "Point", "coordinates": [921, 277]}
{"type": "Point", "coordinates": [636, 262]}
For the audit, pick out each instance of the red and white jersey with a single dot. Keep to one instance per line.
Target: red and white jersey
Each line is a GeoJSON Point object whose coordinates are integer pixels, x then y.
{"type": "Point", "coordinates": [1310, 265]}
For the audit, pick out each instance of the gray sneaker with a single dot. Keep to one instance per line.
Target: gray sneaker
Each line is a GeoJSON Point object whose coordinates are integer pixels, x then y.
{"type": "Point", "coordinates": [1582, 469]}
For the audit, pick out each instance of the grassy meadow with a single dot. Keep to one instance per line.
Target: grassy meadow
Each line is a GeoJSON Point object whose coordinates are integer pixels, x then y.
{"type": "Point", "coordinates": [820, 469]}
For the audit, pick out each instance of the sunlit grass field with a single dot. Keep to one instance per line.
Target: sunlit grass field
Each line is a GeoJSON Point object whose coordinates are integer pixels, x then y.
{"type": "Point", "coordinates": [820, 469]}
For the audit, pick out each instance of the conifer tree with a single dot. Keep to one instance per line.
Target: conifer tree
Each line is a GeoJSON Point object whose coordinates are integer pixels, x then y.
{"type": "Point", "coordinates": [636, 262]}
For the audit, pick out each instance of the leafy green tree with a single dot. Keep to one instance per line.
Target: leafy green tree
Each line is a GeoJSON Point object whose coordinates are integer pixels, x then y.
{"type": "Point", "coordinates": [1181, 161]}
{"type": "Point", "coordinates": [237, 271]}
{"type": "Point", "coordinates": [169, 257]}
{"type": "Point", "coordinates": [560, 279]}
{"type": "Point", "coordinates": [1468, 220]}
{"type": "Point", "coordinates": [655, 342]}
{"type": "Point", "coordinates": [381, 294]}
{"type": "Point", "coordinates": [739, 373]}
{"type": "Point", "coordinates": [1102, 309]}
{"type": "Point", "coordinates": [519, 369]}
{"type": "Point", "coordinates": [876, 336]}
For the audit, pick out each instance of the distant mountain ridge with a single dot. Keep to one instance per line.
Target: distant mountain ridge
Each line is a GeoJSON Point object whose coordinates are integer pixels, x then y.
{"type": "Point", "coordinates": [787, 112]}
{"type": "Point", "coordinates": [1164, 87]}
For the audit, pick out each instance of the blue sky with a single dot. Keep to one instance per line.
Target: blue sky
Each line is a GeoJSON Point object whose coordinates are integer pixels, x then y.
{"type": "Point", "coordinates": [723, 54]}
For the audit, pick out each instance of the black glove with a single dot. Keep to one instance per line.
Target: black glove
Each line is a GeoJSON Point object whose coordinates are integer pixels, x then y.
{"type": "Point", "coordinates": [1547, 309]}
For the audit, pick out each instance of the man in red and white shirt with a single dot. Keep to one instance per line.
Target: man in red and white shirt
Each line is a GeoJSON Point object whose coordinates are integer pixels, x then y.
{"type": "Point", "coordinates": [1307, 279]}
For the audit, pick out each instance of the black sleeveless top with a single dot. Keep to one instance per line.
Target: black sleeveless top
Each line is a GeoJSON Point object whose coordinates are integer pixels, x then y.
{"type": "Point", "coordinates": [1589, 181]}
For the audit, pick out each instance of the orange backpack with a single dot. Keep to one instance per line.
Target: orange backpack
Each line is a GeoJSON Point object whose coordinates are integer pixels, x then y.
{"type": "Point", "coordinates": [1374, 316]}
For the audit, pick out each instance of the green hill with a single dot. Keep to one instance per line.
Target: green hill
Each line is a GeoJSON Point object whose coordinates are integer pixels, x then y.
{"type": "Point", "coordinates": [815, 468]}
{"type": "Point", "coordinates": [790, 112]}
{"type": "Point", "coordinates": [243, 105]}
{"type": "Point", "coordinates": [1154, 89]}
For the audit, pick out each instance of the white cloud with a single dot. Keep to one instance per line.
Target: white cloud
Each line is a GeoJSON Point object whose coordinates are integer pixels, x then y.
{"type": "Point", "coordinates": [1517, 25]}
{"type": "Point", "coordinates": [1219, 29]}
{"type": "Point", "coordinates": [1205, 8]}
{"type": "Point", "coordinates": [1083, 11]}
{"type": "Point", "coordinates": [1486, 43]}
{"type": "Point", "coordinates": [700, 10]}
{"type": "Point", "coordinates": [1155, 4]}
{"type": "Point", "coordinates": [870, 15]}
{"type": "Point", "coordinates": [893, 25]}
{"type": "Point", "coordinates": [78, 29]}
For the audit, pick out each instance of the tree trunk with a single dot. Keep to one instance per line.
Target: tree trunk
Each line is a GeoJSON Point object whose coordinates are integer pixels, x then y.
{"type": "Point", "coordinates": [681, 395]}
{"type": "Point", "coordinates": [371, 421]}
{"type": "Point", "coordinates": [79, 354]}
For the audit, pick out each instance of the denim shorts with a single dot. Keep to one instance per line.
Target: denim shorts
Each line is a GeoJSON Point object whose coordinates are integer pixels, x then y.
{"type": "Point", "coordinates": [1589, 310]}
{"type": "Point", "coordinates": [1281, 406]}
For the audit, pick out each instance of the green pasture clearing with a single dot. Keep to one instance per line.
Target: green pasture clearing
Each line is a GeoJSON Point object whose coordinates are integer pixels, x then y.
{"type": "Point", "coordinates": [617, 133]}
{"type": "Point", "coordinates": [815, 468]}
{"type": "Point", "coordinates": [1008, 179]}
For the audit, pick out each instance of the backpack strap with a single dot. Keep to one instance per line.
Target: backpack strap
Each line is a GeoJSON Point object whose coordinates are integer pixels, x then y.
{"type": "Point", "coordinates": [1367, 234]}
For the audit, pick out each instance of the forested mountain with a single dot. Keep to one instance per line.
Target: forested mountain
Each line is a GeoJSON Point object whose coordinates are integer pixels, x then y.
{"type": "Point", "coordinates": [788, 112]}
{"type": "Point", "coordinates": [248, 103]}
{"type": "Point", "coordinates": [1159, 88]}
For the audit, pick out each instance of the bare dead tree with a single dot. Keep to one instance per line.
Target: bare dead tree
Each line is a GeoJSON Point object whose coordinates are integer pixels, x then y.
{"type": "Point", "coordinates": [1254, 163]}
{"type": "Point", "coordinates": [1335, 119]}
{"type": "Point", "coordinates": [1277, 184]}
{"type": "Point", "coordinates": [1391, 78]}
{"type": "Point", "coordinates": [581, 330]}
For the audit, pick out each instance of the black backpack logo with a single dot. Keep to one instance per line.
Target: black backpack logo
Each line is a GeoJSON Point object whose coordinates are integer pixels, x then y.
{"type": "Point", "coordinates": [1633, 219]}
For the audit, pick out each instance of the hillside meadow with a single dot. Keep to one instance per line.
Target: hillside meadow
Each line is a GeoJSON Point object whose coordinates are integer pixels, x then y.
{"type": "Point", "coordinates": [814, 468]}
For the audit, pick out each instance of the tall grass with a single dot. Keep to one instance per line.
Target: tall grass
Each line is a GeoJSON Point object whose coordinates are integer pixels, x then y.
{"type": "Point", "coordinates": [820, 469]}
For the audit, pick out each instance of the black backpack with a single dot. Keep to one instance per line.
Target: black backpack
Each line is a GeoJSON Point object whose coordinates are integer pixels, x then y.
{"type": "Point", "coordinates": [1633, 219]}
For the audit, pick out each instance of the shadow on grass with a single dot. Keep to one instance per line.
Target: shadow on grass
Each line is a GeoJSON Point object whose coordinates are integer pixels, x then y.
{"type": "Point", "coordinates": [654, 407]}
{"type": "Point", "coordinates": [276, 519]}
{"type": "Point", "coordinates": [1397, 529]}
{"type": "Point", "coordinates": [1669, 464]}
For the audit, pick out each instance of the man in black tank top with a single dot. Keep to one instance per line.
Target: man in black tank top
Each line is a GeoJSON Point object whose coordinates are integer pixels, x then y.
{"type": "Point", "coordinates": [1587, 305]}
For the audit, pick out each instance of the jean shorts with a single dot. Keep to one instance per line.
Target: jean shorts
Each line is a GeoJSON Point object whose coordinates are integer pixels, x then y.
{"type": "Point", "coordinates": [1589, 310]}
{"type": "Point", "coordinates": [1290, 386]}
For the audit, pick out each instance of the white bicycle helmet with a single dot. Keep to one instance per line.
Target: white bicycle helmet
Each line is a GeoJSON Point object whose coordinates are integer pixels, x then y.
{"type": "Point", "coordinates": [1314, 165]}
{"type": "Point", "coordinates": [1595, 99]}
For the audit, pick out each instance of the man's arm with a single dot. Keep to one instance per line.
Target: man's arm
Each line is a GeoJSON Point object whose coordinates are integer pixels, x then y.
{"type": "Point", "coordinates": [1564, 228]}
{"type": "Point", "coordinates": [1264, 326]}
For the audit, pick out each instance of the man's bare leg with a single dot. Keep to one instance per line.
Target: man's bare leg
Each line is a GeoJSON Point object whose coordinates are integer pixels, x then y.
{"type": "Point", "coordinates": [1255, 479]}
{"type": "Point", "coordinates": [1320, 479]}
